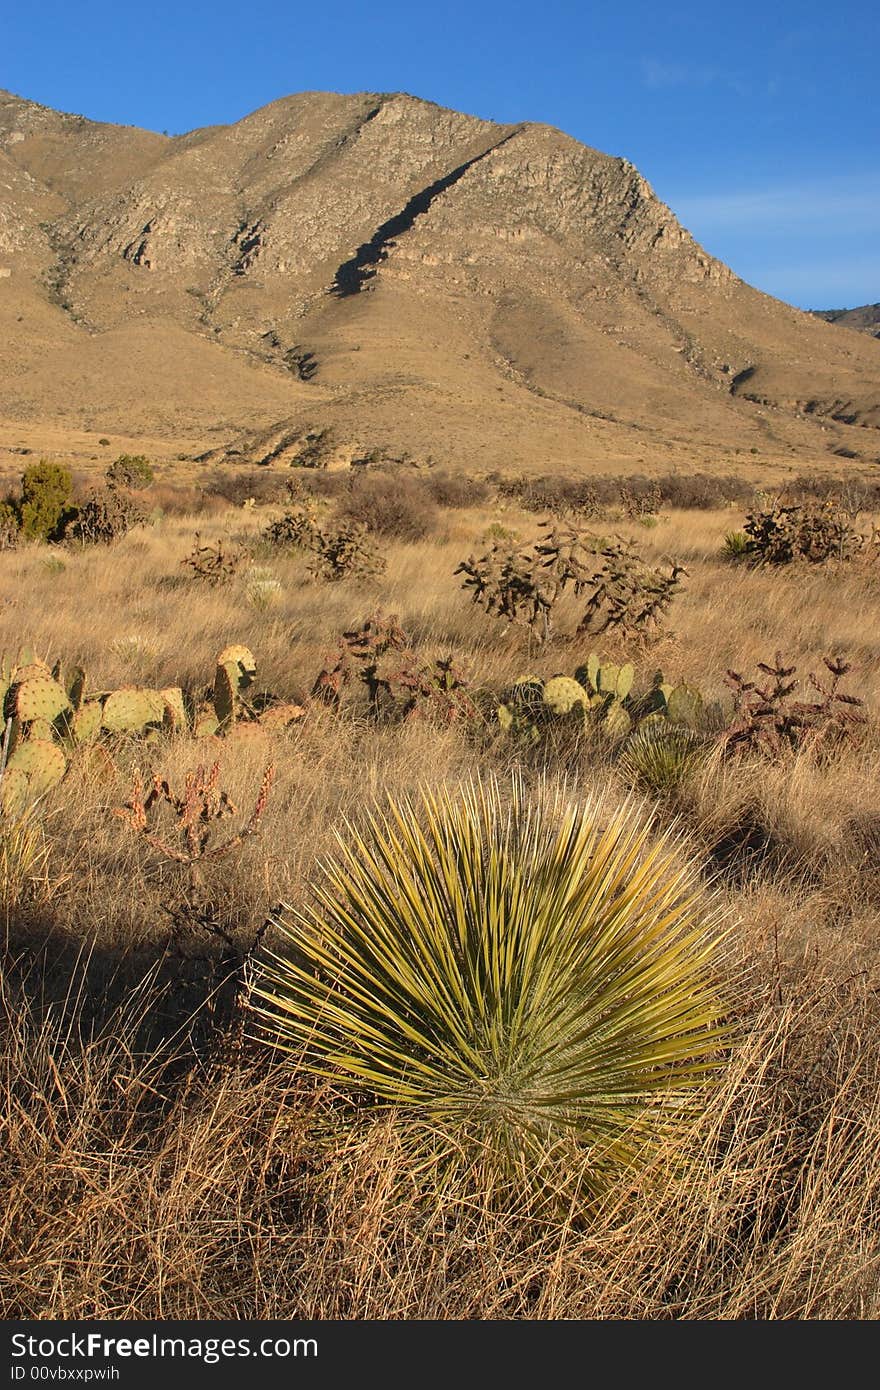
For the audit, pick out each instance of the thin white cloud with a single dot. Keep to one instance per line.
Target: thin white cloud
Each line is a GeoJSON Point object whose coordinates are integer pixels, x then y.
{"type": "Point", "coordinates": [820, 284]}
{"type": "Point", "coordinates": [850, 205]}
{"type": "Point", "coordinates": [659, 76]}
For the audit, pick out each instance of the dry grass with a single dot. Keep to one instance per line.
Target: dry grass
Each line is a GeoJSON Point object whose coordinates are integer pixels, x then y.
{"type": "Point", "coordinates": [158, 1167]}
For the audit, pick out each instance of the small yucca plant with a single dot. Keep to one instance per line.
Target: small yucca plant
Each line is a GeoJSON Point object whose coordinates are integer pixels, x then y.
{"type": "Point", "coordinates": [519, 979]}
{"type": "Point", "coordinates": [660, 756]}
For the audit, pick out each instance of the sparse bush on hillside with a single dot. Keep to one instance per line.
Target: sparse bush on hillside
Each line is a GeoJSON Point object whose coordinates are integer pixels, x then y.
{"type": "Point", "coordinates": [457, 490]}
{"type": "Point", "coordinates": [703, 491]}
{"type": "Point", "coordinates": [561, 497]}
{"type": "Point", "coordinates": [45, 500]}
{"type": "Point", "coordinates": [104, 517]}
{"type": "Point", "coordinates": [10, 530]}
{"type": "Point", "coordinates": [345, 552]}
{"type": "Point", "coordinates": [390, 505]}
{"type": "Point", "coordinates": [131, 471]}
{"type": "Point", "coordinates": [237, 486]}
{"type": "Point", "coordinates": [780, 534]}
{"type": "Point", "coordinates": [640, 501]}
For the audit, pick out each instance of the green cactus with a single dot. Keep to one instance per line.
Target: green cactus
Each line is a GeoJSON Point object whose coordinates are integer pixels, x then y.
{"type": "Point", "coordinates": [35, 766]}
{"type": "Point", "coordinates": [37, 697]}
{"type": "Point", "coordinates": [226, 687]}
{"type": "Point", "coordinates": [41, 728]}
{"type": "Point", "coordinates": [562, 694]}
{"type": "Point", "coordinates": [616, 722]}
{"type": "Point", "coordinates": [75, 686]}
{"type": "Point", "coordinates": [86, 723]}
{"type": "Point", "coordinates": [175, 709]}
{"type": "Point", "coordinates": [281, 716]}
{"type": "Point", "coordinates": [684, 705]}
{"type": "Point", "coordinates": [243, 659]}
{"type": "Point", "coordinates": [205, 723]}
{"type": "Point", "coordinates": [132, 709]}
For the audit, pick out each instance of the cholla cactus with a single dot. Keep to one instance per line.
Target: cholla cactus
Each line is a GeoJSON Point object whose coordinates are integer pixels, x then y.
{"type": "Point", "coordinates": [213, 563]}
{"type": "Point", "coordinates": [198, 809]}
{"type": "Point", "coordinates": [628, 594]}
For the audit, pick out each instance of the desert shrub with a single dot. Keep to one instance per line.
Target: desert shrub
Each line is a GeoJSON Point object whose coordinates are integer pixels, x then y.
{"type": "Point", "coordinates": [557, 496]}
{"type": "Point", "coordinates": [457, 490]}
{"type": "Point", "coordinates": [780, 534]}
{"type": "Point", "coordinates": [213, 563]}
{"type": "Point", "coordinates": [295, 528]}
{"type": "Point", "coordinates": [854, 494]}
{"type": "Point", "coordinates": [236, 487]}
{"type": "Point", "coordinates": [400, 683]}
{"type": "Point", "coordinates": [131, 471]}
{"type": "Point", "coordinates": [174, 499]}
{"type": "Point", "coordinates": [104, 517]}
{"type": "Point", "coordinates": [263, 588]}
{"type": "Point", "coordinates": [345, 552]}
{"type": "Point", "coordinates": [703, 491]}
{"type": "Point", "coordinates": [391, 505]}
{"type": "Point", "coordinates": [302, 485]}
{"type": "Point", "coordinates": [768, 718]}
{"type": "Point", "coordinates": [629, 595]}
{"type": "Point", "coordinates": [736, 545]}
{"type": "Point", "coordinates": [660, 756]}
{"type": "Point", "coordinates": [9, 527]}
{"type": "Point", "coordinates": [640, 499]}
{"type": "Point", "coordinates": [45, 500]}
{"type": "Point", "coordinates": [532, 988]}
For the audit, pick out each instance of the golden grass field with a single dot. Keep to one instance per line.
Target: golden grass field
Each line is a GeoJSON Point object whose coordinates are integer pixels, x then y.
{"type": "Point", "coordinates": [159, 1168]}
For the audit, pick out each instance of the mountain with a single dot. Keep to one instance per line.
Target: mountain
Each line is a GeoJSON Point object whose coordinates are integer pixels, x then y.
{"type": "Point", "coordinates": [866, 318]}
{"type": "Point", "coordinates": [376, 272]}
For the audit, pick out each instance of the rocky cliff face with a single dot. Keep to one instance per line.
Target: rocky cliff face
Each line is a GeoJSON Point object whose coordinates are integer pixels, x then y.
{"type": "Point", "coordinates": [423, 264]}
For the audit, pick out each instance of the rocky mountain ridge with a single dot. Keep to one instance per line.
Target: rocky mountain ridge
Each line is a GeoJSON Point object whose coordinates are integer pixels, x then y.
{"type": "Point", "coordinates": [394, 274]}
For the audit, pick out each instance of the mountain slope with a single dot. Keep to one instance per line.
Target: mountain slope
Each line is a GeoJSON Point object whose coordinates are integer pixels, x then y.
{"type": "Point", "coordinates": [411, 278]}
{"type": "Point", "coordinates": [865, 318]}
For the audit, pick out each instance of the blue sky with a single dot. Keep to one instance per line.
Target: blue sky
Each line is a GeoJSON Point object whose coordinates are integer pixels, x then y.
{"type": "Point", "coordinates": [758, 123]}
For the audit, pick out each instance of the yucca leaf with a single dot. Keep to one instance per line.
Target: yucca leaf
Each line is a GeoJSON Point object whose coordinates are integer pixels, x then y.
{"type": "Point", "coordinates": [515, 974]}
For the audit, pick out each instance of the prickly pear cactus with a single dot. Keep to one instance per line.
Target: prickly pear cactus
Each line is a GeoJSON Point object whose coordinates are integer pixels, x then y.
{"type": "Point", "coordinates": [35, 766]}
{"type": "Point", "coordinates": [562, 695]}
{"type": "Point", "coordinates": [37, 697]}
{"type": "Point", "coordinates": [86, 723]}
{"type": "Point", "coordinates": [206, 723]}
{"type": "Point", "coordinates": [226, 688]}
{"type": "Point", "coordinates": [174, 708]}
{"type": "Point", "coordinates": [617, 722]}
{"type": "Point", "coordinates": [281, 716]}
{"type": "Point", "coordinates": [684, 705]}
{"type": "Point", "coordinates": [132, 709]}
{"type": "Point", "coordinates": [243, 659]}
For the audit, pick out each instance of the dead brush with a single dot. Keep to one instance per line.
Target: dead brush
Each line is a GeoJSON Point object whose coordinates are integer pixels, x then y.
{"type": "Point", "coordinates": [212, 563]}
{"type": "Point", "coordinates": [193, 838]}
{"type": "Point", "coordinates": [768, 718]}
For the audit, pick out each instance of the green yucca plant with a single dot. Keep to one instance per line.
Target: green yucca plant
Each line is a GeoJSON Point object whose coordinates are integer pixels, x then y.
{"type": "Point", "coordinates": [659, 756]}
{"type": "Point", "coordinates": [520, 980]}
